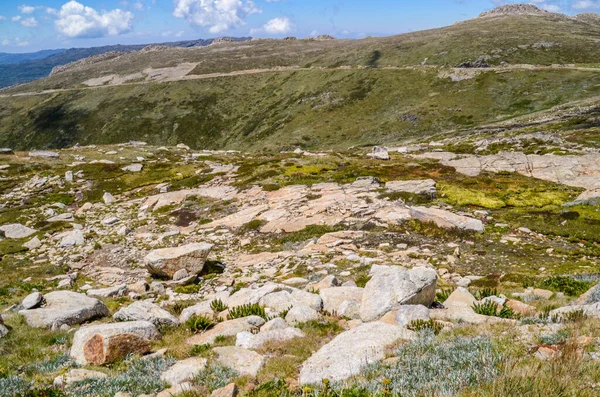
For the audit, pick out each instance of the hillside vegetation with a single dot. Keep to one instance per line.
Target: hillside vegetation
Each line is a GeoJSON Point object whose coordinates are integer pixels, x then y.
{"type": "Point", "coordinates": [314, 94]}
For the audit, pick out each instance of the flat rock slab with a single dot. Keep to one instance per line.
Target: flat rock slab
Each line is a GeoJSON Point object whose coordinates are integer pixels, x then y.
{"type": "Point", "coordinates": [446, 219]}
{"type": "Point", "coordinates": [351, 351]}
{"type": "Point", "coordinates": [249, 340]}
{"type": "Point", "coordinates": [333, 297]}
{"type": "Point", "coordinates": [166, 262]}
{"type": "Point", "coordinates": [44, 154]}
{"type": "Point", "coordinates": [106, 343]}
{"type": "Point", "coordinates": [143, 310]}
{"type": "Point", "coordinates": [184, 371]}
{"type": "Point", "coordinates": [393, 286]}
{"type": "Point", "coordinates": [425, 187]}
{"type": "Point", "coordinates": [16, 230]}
{"type": "Point", "coordinates": [244, 361]}
{"type": "Point", "coordinates": [64, 307]}
{"type": "Point", "coordinates": [227, 328]}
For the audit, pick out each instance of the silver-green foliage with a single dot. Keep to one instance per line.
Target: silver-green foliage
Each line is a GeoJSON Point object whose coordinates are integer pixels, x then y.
{"type": "Point", "coordinates": [52, 365]}
{"type": "Point", "coordinates": [214, 377]}
{"type": "Point", "coordinates": [140, 377]}
{"type": "Point", "coordinates": [431, 366]}
{"type": "Point", "coordinates": [13, 385]}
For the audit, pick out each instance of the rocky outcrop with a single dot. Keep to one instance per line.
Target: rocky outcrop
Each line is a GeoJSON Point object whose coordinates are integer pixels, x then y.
{"type": "Point", "coordinates": [351, 351]}
{"type": "Point", "coordinates": [446, 219]}
{"type": "Point", "coordinates": [166, 262]}
{"type": "Point", "coordinates": [106, 343]}
{"type": "Point", "coordinates": [64, 308]}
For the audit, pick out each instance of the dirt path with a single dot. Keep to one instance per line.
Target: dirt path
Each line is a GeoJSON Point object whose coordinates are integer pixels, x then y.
{"type": "Point", "coordinates": [444, 72]}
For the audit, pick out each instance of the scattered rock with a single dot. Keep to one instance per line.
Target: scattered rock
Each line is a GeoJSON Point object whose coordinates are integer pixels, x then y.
{"type": "Point", "coordinates": [184, 371]}
{"type": "Point", "coordinates": [408, 313]}
{"type": "Point", "coordinates": [136, 167]}
{"type": "Point", "coordinates": [244, 361]}
{"type": "Point", "coordinates": [64, 308]}
{"type": "Point", "coordinates": [333, 297]}
{"type": "Point", "coordinates": [146, 311]}
{"type": "Point", "coordinates": [231, 390]}
{"type": "Point", "coordinates": [446, 219]}
{"type": "Point", "coordinates": [73, 239]}
{"type": "Point", "coordinates": [227, 328]}
{"type": "Point", "coordinates": [380, 153]}
{"type": "Point", "coordinates": [392, 286]}
{"type": "Point", "coordinates": [44, 154]}
{"type": "Point", "coordinates": [106, 343]}
{"type": "Point", "coordinates": [16, 230]}
{"type": "Point", "coordinates": [32, 301]}
{"type": "Point", "coordinates": [167, 261]}
{"type": "Point", "coordinates": [110, 292]}
{"type": "Point", "coordinates": [351, 351]}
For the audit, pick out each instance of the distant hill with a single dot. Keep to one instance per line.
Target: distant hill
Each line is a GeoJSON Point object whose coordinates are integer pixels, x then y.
{"type": "Point", "coordinates": [270, 94]}
{"type": "Point", "coordinates": [6, 58]}
{"type": "Point", "coordinates": [22, 68]}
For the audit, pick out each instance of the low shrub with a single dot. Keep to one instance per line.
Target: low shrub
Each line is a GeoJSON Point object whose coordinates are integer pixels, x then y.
{"type": "Point", "coordinates": [214, 377]}
{"type": "Point", "coordinates": [218, 306]}
{"type": "Point", "coordinates": [567, 285]}
{"type": "Point", "coordinates": [442, 295]}
{"type": "Point", "coordinates": [249, 309]}
{"type": "Point", "coordinates": [491, 308]}
{"type": "Point", "coordinates": [199, 324]}
{"type": "Point", "coordinates": [420, 325]}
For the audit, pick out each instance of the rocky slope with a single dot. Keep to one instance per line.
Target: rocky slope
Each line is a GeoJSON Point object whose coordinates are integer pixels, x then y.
{"type": "Point", "coordinates": [141, 270]}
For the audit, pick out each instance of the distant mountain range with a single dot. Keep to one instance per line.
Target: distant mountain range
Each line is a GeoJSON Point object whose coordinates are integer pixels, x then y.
{"type": "Point", "coordinates": [22, 68]}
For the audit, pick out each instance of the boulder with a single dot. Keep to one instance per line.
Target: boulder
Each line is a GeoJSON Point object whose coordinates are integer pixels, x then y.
{"type": "Point", "coordinates": [146, 311]}
{"type": "Point", "coordinates": [278, 301]}
{"type": "Point", "coordinates": [32, 301]}
{"type": "Point", "coordinates": [227, 328]}
{"type": "Point", "coordinates": [135, 167]}
{"type": "Point", "coordinates": [380, 153]}
{"type": "Point", "coordinates": [521, 308]}
{"type": "Point", "coordinates": [333, 297]}
{"type": "Point", "coordinates": [72, 239]}
{"type": "Point", "coordinates": [349, 309]}
{"type": "Point", "coordinates": [592, 310]}
{"type": "Point", "coordinates": [107, 198]}
{"type": "Point", "coordinates": [64, 308]}
{"type": "Point", "coordinates": [184, 371]}
{"type": "Point", "coordinates": [424, 187]}
{"type": "Point", "coordinates": [44, 154]}
{"type": "Point", "coordinates": [6, 151]}
{"type": "Point", "coordinates": [393, 286]}
{"type": "Point", "coordinates": [231, 390]}
{"type": "Point", "coordinates": [64, 217]}
{"type": "Point", "coordinates": [446, 219]}
{"type": "Point", "coordinates": [33, 243]}
{"type": "Point", "coordinates": [16, 230]}
{"type": "Point", "coordinates": [244, 361]}
{"type": "Point", "coordinates": [3, 330]}
{"type": "Point", "coordinates": [185, 387]}
{"type": "Point", "coordinates": [309, 299]}
{"type": "Point", "coordinates": [300, 314]}
{"type": "Point", "coordinates": [252, 295]}
{"type": "Point", "coordinates": [77, 375]}
{"type": "Point", "coordinates": [408, 313]}
{"type": "Point", "coordinates": [459, 308]}
{"type": "Point", "coordinates": [106, 343]}
{"type": "Point", "coordinates": [351, 351]}
{"type": "Point", "coordinates": [110, 292]}
{"type": "Point", "coordinates": [249, 340]}
{"type": "Point", "coordinates": [165, 262]}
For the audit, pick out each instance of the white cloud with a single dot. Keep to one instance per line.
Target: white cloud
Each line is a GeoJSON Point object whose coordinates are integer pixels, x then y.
{"type": "Point", "coordinates": [5, 42]}
{"type": "Point", "coordinates": [51, 11]}
{"type": "Point", "coordinates": [17, 18]}
{"type": "Point", "coordinates": [218, 15]}
{"type": "Point", "coordinates": [278, 26]}
{"type": "Point", "coordinates": [29, 22]}
{"type": "Point", "coordinates": [26, 9]}
{"type": "Point", "coordinates": [77, 21]}
{"type": "Point", "coordinates": [138, 5]}
{"type": "Point", "coordinates": [585, 5]}
{"type": "Point", "coordinates": [2, 18]}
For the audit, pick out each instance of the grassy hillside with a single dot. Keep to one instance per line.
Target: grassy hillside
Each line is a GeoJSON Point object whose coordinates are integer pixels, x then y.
{"type": "Point", "coordinates": [349, 92]}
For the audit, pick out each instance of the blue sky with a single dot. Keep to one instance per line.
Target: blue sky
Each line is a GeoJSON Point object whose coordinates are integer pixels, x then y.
{"type": "Point", "coordinates": [32, 25]}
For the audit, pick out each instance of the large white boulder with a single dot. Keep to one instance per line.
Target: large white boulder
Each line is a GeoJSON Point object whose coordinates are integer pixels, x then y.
{"type": "Point", "coordinates": [183, 371]}
{"type": "Point", "coordinates": [16, 230]}
{"type": "Point", "coordinates": [244, 361]}
{"type": "Point", "coordinates": [166, 262]}
{"type": "Point", "coordinates": [333, 297]}
{"type": "Point", "coordinates": [351, 351]}
{"type": "Point", "coordinates": [392, 286]}
{"type": "Point", "coordinates": [64, 308]}
{"type": "Point", "coordinates": [146, 311]}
